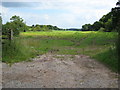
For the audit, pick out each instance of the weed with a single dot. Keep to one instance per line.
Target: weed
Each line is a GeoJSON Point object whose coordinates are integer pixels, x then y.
{"type": "Point", "coordinates": [31, 44]}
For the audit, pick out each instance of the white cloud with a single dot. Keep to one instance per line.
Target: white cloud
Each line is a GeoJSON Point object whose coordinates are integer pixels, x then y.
{"type": "Point", "coordinates": [78, 12]}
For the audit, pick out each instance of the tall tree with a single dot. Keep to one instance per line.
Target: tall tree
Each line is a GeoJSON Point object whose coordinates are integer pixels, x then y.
{"type": "Point", "coordinates": [16, 25]}
{"type": "Point", "coordinates": [116, 25]}
{"type": "Point", "coordinates": [0, 25]}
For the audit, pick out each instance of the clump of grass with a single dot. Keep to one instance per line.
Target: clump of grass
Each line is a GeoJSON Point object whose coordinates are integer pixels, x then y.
{"type": "Point", "coordinates": [109, 58]}
{"type": "Point", "coordinates": [14, 51]}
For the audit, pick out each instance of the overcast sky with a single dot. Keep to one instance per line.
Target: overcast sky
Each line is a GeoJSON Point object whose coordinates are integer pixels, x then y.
{"type": "Point", "coordinates": [61, 13]}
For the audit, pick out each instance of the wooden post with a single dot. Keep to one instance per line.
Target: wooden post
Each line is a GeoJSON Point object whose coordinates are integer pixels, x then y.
{"type": "Point", "coordinates": [10, 36]}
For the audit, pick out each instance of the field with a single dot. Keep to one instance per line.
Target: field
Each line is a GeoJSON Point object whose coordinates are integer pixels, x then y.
{"type": "Point", "coordinates": [97, 45]}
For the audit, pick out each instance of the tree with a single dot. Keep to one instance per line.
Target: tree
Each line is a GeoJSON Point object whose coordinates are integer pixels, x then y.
{"type": "Point", "coordinates": [116, 18]}
{"type": "Point", "coordinates": [104, 22]}
{"type": "Point", "coordinates": [108, 25]}
{"type": "Point", "coordinates": [44, 28]}
{"type": "Point", "coordinates": [106, 17]}
{"type": "Point", "coordinates": [16, 25]}
{"type": "Point", "coordinates": [118, 3]}
{"type": "Point", "coordinates": [16, 18]}
{"type": "Point", "coordinates": [0, 20]}
{"type": "Point", "coordinates": [86, 27]}
{"type": "Point", "coordinates": [50, 27]}
{"type": "Point", "coordinates": [102, 29]}
{"type": "Point", "coordinates": [96, 26]}
{"type": "Point", "coordinates": [0, 25]}
{"type": "Point", "coordinates": [116, 26]}
{"type": "Point", "coordinates": [37, 28]}
{"type": "Point", "coordinates": [21, 26]}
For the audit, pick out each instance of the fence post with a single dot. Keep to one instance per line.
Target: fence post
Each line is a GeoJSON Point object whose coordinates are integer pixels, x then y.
{"type": "Point", "coordinates": [10, 36]}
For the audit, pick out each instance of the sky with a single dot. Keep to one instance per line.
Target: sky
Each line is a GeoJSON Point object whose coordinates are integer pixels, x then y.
{"type": "Point", "coordinates": [61, 13]}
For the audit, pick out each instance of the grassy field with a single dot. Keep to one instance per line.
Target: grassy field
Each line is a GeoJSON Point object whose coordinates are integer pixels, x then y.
{"type": "Point", "coordinates": [98, 45]}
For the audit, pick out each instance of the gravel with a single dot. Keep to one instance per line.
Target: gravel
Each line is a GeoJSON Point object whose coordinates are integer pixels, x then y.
{"type": "Point", "coordinates": [58, 71]}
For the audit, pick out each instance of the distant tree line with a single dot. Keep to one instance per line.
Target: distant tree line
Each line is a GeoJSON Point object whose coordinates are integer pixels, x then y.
{"type": "Point", "coordinates": [104, 24]}
{"type": "Point", "coordinates": [109, 22]}
{"type": "Point", "coordinates": [17, 25]}
{"type": "Point", "coordinates": [43, 28]}
{"type": "Point", "coordinates": [72, 29]}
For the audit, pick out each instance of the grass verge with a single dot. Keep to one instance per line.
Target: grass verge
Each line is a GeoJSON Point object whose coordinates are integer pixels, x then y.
{"type": "Point", "coordinates": [109, 58]}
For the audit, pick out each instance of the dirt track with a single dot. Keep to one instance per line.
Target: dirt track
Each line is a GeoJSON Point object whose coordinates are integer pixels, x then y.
{"type": "Point", "coordinates": [59, 71]}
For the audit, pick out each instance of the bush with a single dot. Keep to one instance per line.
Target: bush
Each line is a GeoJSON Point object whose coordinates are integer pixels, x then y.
{"type": "Point", "coordinates": [101, 29]}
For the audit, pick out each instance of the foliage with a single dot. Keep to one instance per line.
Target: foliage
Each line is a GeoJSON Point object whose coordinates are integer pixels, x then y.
{"type": "Point", "coordinates": [104, 22]}
{"type": "Point", "coordinates": [43, 28]}
{"type": "Point", "coordinates": [0, 25]}
{"type": "Point", "coordinates": [86, 27]}
{"type": "Point", "coordinates": [116, 26]}
{"type": "Point", "coordinates": [102, 29]}
{"type": "Point", "coordinates": [116, 18]}
{"type": "Point", "coordinates": [109, 58]}
{"type": "Point", "coordinates": [9, 26]}
{"type": "Point", "coordinates": [58, 42]}
{"type": "Point", "coordinates": [0, 19]}
{"type": "Point", "coordinates": [16, 25]}
{"type": "Point", "coordinates": [96, 26]}
{"type": "Point", "coordinates": [14, 51]}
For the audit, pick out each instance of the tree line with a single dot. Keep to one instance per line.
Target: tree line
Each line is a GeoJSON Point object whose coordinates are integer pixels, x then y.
{"type": "Point", "coordinates": [38, 27]}
{"type": "Point", "coordinates": [107, 24]}
{"type": "Point", "coordinates": [17, 25]}
{"type": "Point", "coordinates": [104, 24]}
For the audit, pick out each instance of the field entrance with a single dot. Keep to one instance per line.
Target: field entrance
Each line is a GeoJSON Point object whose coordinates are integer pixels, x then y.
{"type": "Point", "coordinates": [60, 59]}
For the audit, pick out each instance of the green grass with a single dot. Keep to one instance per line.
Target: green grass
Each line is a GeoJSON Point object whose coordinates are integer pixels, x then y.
{"type": "Point", "coordinates": [109, 58]}
{"type": "Point", "coordinates": [31, 44]}
{"type": "Point", "coordinates": [14, 51]}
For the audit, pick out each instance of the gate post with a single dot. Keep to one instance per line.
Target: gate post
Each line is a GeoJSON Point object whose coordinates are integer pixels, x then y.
{"type": "Point", "coordinates": [10, 36]}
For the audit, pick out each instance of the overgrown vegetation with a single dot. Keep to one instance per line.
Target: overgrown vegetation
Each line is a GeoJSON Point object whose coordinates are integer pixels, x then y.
{"type": "Point", "coordinates": [0, 38]}
{"type": "Point", "coordinates": [109, 58]}
{"type": "Point", "coordinates": [13, 51]}
{"type": "Point", "coordinates": [31, 44]}
{"type": "Point", "coordinates": [116, 26]}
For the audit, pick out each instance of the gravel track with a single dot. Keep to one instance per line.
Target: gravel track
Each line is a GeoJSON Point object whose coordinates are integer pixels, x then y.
{"type": "Point", "coordinates": [58, 71]}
